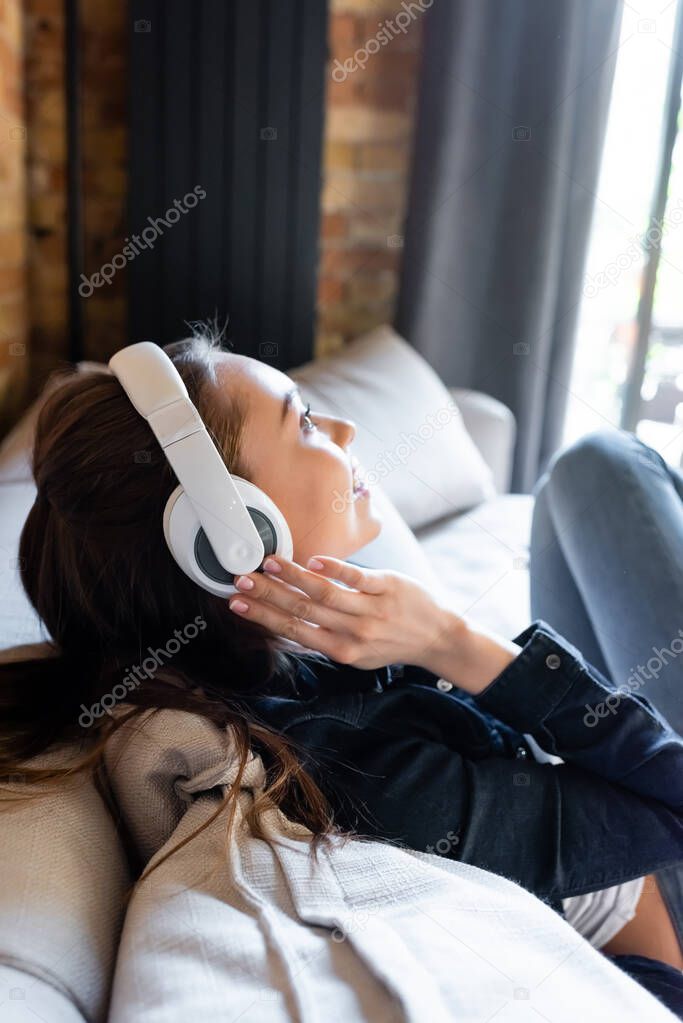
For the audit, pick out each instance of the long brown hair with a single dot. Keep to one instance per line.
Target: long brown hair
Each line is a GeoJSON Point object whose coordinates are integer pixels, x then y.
{"type": "Point", "coordinates": [95, 566]}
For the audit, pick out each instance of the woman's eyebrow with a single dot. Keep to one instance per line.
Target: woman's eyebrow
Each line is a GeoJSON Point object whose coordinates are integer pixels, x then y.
{"type": "Point", "coordinates": [287, 402]}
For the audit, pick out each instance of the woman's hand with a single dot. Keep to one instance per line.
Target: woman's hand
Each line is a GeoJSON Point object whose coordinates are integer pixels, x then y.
{"type": "Point", "coordinates": [386, 617]}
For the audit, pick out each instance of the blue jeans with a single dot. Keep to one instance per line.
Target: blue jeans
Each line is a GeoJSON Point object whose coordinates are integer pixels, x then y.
{"type": "Point", "coordinates": [606, 571]}
{"type": "Point", "coordinates": [607, 563]}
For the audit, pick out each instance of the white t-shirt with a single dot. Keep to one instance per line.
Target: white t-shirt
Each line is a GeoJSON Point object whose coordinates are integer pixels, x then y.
{"type": "Point", "coordinates": [598, 916]}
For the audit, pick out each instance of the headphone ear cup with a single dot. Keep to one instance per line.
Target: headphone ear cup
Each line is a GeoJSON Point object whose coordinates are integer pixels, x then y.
{"type": "Point", "coordinates": [192, 550]}
{"type": "Point", "coordinates": [269, 521]}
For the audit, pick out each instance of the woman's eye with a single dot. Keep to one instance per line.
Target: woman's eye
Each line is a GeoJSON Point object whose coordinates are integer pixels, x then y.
{"type": "Point", "coordinates": [310, 425]}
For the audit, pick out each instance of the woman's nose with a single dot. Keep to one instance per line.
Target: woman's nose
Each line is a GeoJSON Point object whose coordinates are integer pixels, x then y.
{"type": "Point", "coordinates": [344, 430]}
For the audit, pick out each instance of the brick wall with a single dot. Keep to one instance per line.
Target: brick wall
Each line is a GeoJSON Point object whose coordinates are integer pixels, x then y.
{"type": "Point", "coordinates": [13, 249]}
{"type": "Point", "coordinates": [46, 178]}
{"type": "Point", "coordinates": [103, 168]}
{"type": "Point", "coordinates": [105, 156]}
{"type": "Point", "coordinates": [368, 136]}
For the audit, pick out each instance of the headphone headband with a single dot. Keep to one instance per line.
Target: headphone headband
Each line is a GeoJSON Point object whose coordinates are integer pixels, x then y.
{"type": "Point", "coordinates": [159, 395]}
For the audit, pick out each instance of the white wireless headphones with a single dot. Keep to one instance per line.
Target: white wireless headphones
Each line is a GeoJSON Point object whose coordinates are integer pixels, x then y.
{"type": "Point", "coordinates": [217, 526]}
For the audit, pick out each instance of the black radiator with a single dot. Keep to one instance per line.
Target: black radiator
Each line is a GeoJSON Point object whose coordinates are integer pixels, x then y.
{"type": "Point", "coordinates": [226, 108]}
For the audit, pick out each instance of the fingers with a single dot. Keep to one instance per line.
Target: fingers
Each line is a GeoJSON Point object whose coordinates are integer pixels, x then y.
{"type": "Point", "coordinates": [319, 601]}
{"type": "Point", "coordinates": [311, 610]}
{"type": "Point", "coordinates": [270, 595]}
{"type": "Point", "coordinates": [363, 579]}
{"type": "Point", "coordinates": [283, 623]}
{"type": "Point", "coordinates": [324, 592]}
{"type": "Point", "coordinates": [296, 599]}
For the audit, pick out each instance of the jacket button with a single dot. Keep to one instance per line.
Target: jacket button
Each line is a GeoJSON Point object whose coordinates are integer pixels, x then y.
{"type": "Point", "coordinates": [521, 753]}
{"type": "Point", "coordinates": [553, 661]}
{"type": "Point", "coordinates": [444, 686]}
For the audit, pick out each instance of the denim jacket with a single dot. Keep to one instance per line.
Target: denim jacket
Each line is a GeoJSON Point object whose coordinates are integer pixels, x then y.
{"type": "Point", "coordinates": [404, 756]}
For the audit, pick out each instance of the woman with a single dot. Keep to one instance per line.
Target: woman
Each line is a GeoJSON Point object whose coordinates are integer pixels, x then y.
{"type": "Point", "coordinates": [369, 706]}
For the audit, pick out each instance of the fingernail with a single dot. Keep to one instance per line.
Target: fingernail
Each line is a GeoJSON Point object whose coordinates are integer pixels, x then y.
{"type": "Point", "coordinates": [238, 605]}
{"type": "Point", "coordinates": [271, 566]}
{"type": "Point", "coordinates": [314, 564]}
{"type": "Point", "coordinates": [244, 583]}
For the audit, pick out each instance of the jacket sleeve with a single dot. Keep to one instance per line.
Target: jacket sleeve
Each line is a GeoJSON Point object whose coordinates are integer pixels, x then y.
{"type": "Point", "coordinates": [550, 691]}
{"type": "Point", "coordinates": [612, 811]}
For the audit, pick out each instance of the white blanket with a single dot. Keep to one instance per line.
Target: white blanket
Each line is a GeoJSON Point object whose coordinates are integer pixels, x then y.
{"type": "Point", "coordinates": [257, 931]}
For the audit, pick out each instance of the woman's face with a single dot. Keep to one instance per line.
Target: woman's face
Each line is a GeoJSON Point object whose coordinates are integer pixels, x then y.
{"type": "Point", "coordinates": [303, 463]}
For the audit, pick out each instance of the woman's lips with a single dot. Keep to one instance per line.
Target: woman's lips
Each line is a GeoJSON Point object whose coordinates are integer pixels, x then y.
{"type": "Point", "coordinates": [360, 488]}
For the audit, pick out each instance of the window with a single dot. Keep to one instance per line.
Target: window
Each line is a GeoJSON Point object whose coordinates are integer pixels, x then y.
{"type": "Point", "coordinates": [628, 365]}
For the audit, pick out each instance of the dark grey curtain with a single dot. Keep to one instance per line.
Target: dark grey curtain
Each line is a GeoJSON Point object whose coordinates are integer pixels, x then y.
{"type": "Point", "coordinates": [511, 119]}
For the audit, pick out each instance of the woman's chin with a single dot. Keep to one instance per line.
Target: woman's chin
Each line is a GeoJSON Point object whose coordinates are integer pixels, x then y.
{"type": "Point", "coordinates": [372, 519]}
